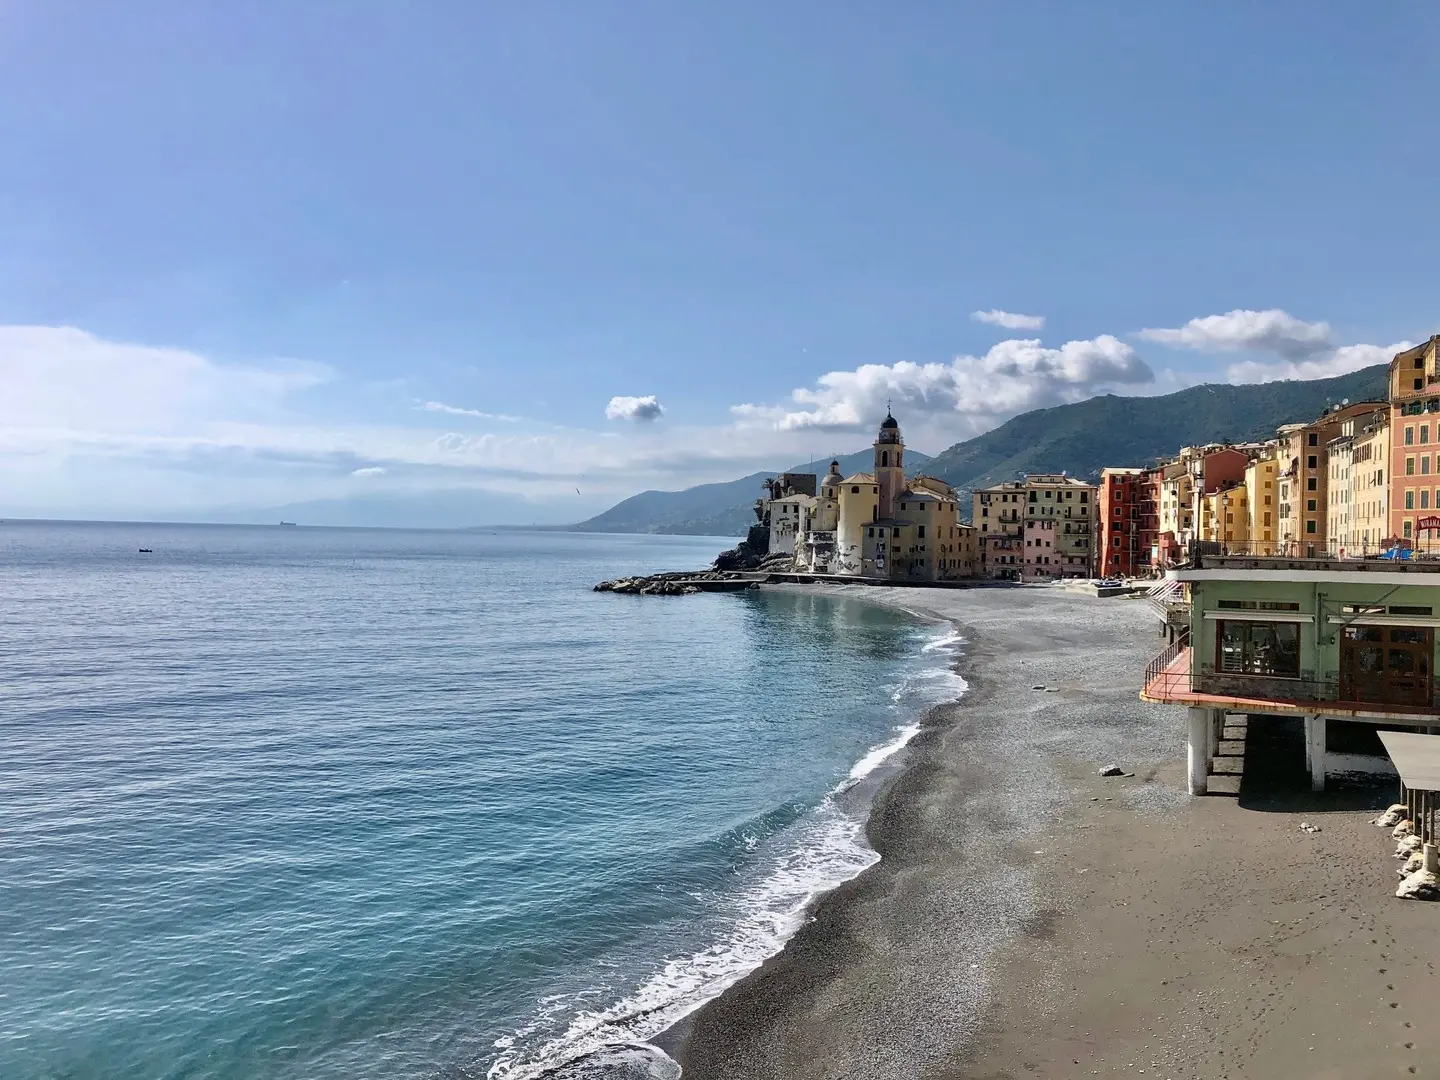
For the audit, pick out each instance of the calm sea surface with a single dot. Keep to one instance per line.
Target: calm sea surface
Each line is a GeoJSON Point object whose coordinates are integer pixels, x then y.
{"type": "Point", "coordinates": [314, 803]}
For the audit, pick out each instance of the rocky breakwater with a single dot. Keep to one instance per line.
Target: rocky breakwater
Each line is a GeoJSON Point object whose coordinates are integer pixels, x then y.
{"type": "Point", "coordinates": [676, 583]}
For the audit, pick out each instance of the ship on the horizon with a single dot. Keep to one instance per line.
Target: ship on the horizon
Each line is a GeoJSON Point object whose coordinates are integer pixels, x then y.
{"type": "Point", "coordinates": [288, 524]}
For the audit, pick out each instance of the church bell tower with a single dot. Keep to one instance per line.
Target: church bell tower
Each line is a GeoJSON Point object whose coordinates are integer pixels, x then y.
{"type": "Point", "coordinates": [889, 464]}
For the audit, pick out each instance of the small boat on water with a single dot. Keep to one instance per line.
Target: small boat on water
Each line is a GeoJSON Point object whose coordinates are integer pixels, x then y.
{"type": "Point", "coordinates": [288, 524]}
{"type": "Point", "coordinates": [147, 551]}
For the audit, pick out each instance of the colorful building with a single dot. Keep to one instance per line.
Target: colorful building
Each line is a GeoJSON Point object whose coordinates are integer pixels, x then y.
{"type": "Point", "coordinates": [1121, 549]}
{"type": "Point", "coordinates": [888, 527]}
{"type": "Point", "coordinates": [1304, 478]}
{"type": "Point", "coordinates": [1058, 527]}
{"type": "Point", "coordinates": [1260, 494]}
{"type": "Point", "coordinates": [1370, 487]}
{"type": "Point", "coordinates": [997, 514]}
{"type": "Point", "coordinates": [1414, 438]}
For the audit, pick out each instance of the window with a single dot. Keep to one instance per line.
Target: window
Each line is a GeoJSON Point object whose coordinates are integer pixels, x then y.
{"type": "Point", "coordinates": [919, 532]}
{"type": "Point", "coordinates": [1257, 648]}
{"type": "Point", "coordinates": [1267, 518]}
{"type": "Point", "coordinates": [1034, 496]}
{"type": "Point", "coordinates": [1312, 462]}
{"type": "Point", "coordinates": [1425, 465]}
{"type": "Point", "coordinates": [1425, 500]}
{"type": "Point", "coordinates": [1314, 439]}
{"type": "Point", "coordinates": [1310, 505]}
{"type": "Point", "coordinates": [1409, 434]}
{"type": "Point", "coordinates": [1409, 466]}
{"type": "Point", "coordinates": [1419, 385]}
{"type": "Point", "coordinates": [1309, 526]}
{"type": "Point", "coordinates": [1267, 503]}
{"type": "Point", "coordinates": [1310, 484]}
{"type": "Point", "coordinates": [1407, 609]}
{"type": "Point", "coordinates": [1083, 496]}
{"type": "Point", "coordinates": [854, 491]}
{"type": "Point", "coordinates": [1424, 433]}
{"type": "Point", "coordinates": [870, 532]}
{"type": "Point", "coordinates": [1409, 526]}
{"type": "Point", "coordinates": [1410, 500]}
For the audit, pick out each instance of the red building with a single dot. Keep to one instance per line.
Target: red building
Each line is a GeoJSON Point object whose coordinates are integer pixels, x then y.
{"type": "Point", "coordinates": [1117, 539]}
{"type": "Point", "coordinates": [1128, 522]}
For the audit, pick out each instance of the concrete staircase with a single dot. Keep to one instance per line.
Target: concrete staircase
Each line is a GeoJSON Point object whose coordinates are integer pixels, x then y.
{"type": "Point", "coordinates": [1227, 765]}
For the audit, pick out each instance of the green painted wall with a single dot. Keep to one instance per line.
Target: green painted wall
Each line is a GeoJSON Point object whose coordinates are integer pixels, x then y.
{"type": "Point", "coordinates": [1319, 640]}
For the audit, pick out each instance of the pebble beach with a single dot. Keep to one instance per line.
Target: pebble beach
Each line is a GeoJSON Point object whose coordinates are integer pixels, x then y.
{"type": "Point", "coordinates": [1030, 918]}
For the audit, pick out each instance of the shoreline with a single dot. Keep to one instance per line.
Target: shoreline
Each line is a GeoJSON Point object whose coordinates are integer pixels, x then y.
{"type": "Point", "coordinates": [826, 1003]}
{"type": "Point", "coordinates": [1030, 918]}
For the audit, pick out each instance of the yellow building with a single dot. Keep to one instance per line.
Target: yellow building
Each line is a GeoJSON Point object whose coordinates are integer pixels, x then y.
{"type": "Point", "coordinates": [1261, 494]}
{"type": "Point", "coordinates": [1370, 484]}
{"type": "Point", "coordinates": [1225, 516]}
{"type": "Point", "coordinates": [891, 528]}
{"type": "Point", "coordinates": [998, 516]}
{"type": "Point", "coordinates": [1176, 503]}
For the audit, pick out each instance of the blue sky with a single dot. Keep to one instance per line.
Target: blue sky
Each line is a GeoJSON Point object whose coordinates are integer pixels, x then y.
{"type": "Point", "coordinates": [268, 253]}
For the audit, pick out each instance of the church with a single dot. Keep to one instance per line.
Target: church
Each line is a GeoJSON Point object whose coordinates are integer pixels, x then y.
{"type": "Point", "coordinates": [875, 524]}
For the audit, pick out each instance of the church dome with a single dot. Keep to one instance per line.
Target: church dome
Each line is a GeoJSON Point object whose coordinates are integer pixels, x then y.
{"type": "Point", "coordinates": [833, 477]}
{"type": "Point", "coordinates": [889, 429]}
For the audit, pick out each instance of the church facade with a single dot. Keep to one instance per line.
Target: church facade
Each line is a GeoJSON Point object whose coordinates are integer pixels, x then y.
{"type": "Point", "coordinates": [879, 525]}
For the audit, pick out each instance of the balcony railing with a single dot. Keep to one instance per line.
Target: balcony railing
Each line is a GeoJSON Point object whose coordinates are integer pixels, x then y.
{"type": "Point", "coordinates": [1425, 552]}
{"type": "Point", "coordinates": [1168, 678]}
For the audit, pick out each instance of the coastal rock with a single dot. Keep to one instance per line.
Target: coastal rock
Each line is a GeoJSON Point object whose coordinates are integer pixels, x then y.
{"type": "Point", "coordinates": [1305, 826]}
{"type": "Point", "coordinates": [1407, 846]}
{"type": "Point", "coordinates": [1112, 770]}
{"type": "Point", "coordinates": [1421, 885]}
{"type": "Point", "coordinates": [1393, 816]}
{"type": "Point", "coordinates": [1402, 830]}
{"type": "Point", "coordinates": [672, 583]}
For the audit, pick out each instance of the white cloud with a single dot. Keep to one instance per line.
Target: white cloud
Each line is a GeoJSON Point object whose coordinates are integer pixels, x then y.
{"type": "Point", "coordinates": [1341, 361]}
{"type": "Point", "coordinates": [640, 409]}
{"type": "Point", "coordinates": [372, 470]}
{"type": "Point", "coordinates": [1009, 319]}
{"type": "Point", "coordinates": [1272, 330]}
{"type": "Point", "coordinates": [62, 377]}
{"type": "Point", "coordinates": [968, 394]}
{"type": "Point", "coordinates": [455, 410]}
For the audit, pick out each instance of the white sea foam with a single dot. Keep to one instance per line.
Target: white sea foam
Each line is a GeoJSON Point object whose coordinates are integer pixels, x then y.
{"type": "Point", "coordinates": [878, 755]}
{"type": "Point", "coordinates": [822, 851]}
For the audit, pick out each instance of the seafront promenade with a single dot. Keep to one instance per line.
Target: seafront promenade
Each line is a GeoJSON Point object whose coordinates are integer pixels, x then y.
{"type": "Point", "coordinates": [1031, 918]}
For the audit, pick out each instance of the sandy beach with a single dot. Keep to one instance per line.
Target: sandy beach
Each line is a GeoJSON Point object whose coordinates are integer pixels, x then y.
{"type": "Point", "coordinates": [1032, 919]}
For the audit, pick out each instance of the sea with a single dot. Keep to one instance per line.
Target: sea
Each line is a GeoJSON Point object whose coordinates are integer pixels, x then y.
{"type": "Point", "coordinates": [345, 803]}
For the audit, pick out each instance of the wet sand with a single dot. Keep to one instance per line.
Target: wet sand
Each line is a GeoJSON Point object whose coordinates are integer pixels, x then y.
{"type": "Point", "coordinates": [1030, 919]}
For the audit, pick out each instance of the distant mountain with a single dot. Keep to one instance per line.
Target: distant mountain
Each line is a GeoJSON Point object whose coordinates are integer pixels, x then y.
{"type": "Point", "coordinates": [1102, 432]}
{"type": "Point", "coordinates": [725, 509]}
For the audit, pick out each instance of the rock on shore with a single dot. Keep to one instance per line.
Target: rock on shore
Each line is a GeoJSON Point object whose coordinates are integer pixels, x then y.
{"type": "Point", "coordinates": [674, 583]}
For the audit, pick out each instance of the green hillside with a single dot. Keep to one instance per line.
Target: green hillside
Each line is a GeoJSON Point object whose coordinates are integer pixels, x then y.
{"type": "Point", "coordinates": [1088, 436]}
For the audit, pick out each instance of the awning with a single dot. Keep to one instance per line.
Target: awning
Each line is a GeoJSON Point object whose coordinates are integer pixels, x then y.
{"type": "Point", "coordinates": [1416, 758]}
{"type": "Point", "coordinates": [1384, 620]}
{"type": "Point", "coordinates": [1241, 615]}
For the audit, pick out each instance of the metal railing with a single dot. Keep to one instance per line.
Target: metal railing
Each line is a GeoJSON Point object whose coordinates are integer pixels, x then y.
{"type": "Point", "coordinates": [1158, 666]}
{"type": "Point", "coordinates": [1164, 683]}
{"type": "Point", "coordinates": [1387, 551]}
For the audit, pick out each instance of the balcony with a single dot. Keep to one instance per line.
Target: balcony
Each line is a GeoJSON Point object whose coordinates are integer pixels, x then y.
{"type": "Point", "coordinates": [1170, 681]}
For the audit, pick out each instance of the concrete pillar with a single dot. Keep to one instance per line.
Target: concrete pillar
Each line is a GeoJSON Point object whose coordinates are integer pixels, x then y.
{"type": "Point", "coordinates": [1432, 858]}
{"type": "Point", "coordinates": [1197, 749]}
{"type": "Point", "coordinates": [1315, 751]}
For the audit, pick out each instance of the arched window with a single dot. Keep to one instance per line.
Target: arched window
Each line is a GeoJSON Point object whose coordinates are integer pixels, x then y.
{"type": "Point", "coordinates": [884, 458]}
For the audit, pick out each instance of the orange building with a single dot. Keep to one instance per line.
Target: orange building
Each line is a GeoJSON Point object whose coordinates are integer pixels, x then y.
{"type": "Point", "coordinates": [1414, 442]}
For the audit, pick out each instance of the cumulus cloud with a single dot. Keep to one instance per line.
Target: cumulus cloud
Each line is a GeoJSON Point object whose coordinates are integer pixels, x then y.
{"type": "Point", "coordinates": [1011, 377]}
{"type": "Point", "coordinates": [1009, 319]}
{"type": "Point", "coordinates": [1341, 361]}
{"type": "Point", "coordinates": [456, 410]}
{"type": "Point", "coordinates": [1272, 330]}
{"type": "Point", "coordinates": [639, 409]}
{"type": "Point", "coordinates": [372, 470]}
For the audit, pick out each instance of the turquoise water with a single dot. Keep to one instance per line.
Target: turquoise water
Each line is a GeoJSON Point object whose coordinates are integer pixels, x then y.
{"type": "Point", "coordinates": [347, 803]}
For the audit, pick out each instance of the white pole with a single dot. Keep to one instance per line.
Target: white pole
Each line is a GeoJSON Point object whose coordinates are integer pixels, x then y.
{"type": "Point", "coordinates": [1315, 751]}
{"type": "Point", "coordinates": [1197, 747]}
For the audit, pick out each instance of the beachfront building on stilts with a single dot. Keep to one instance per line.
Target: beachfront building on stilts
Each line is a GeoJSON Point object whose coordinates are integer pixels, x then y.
{"type": "Point", "coordinates": [1335, 649]}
